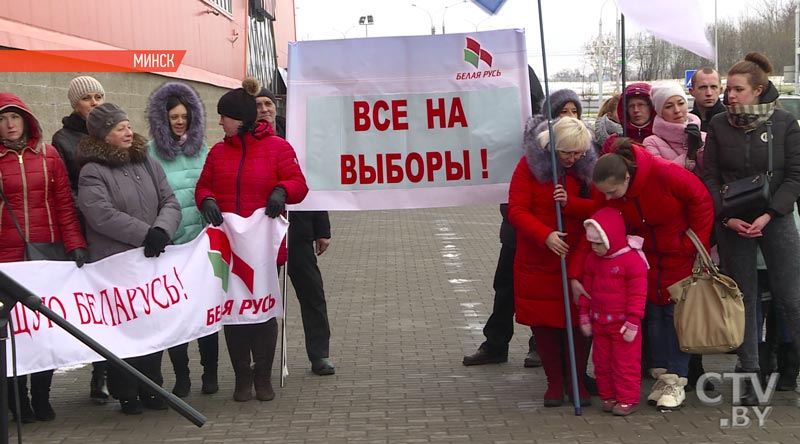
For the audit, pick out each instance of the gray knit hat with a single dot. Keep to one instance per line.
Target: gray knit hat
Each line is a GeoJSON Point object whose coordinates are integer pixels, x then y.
{"type": "Point", "coordinates": [80, 86]}
{"type": "Point", "coordinates": [102, 119]}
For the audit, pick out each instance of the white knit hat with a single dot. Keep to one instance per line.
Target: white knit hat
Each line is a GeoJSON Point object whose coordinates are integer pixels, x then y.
{"type": "Point", "coordinates": [80, 86]}
{"type": "Point", "coordinates": [661, 92]}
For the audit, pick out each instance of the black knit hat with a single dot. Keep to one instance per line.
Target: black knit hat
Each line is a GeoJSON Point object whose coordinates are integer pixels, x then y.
{"type": "Point", "coordinates": [240, 103]}
{"type": "Point", "coordinates": [267, 93]}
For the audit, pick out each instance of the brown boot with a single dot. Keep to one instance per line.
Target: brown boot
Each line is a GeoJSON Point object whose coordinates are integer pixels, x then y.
{"type": "Point", "coordinates": [263, 356]}
{"type": "Point", "coordinates": [243, 391]}
{"type": "Point", "coordinates": [263, 383]}
{"type": "Point", "coordinates": [238, 338]}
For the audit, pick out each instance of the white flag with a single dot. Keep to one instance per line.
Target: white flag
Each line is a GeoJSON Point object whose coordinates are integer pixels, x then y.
{"type": "Point", "coordinates": [676, 21]}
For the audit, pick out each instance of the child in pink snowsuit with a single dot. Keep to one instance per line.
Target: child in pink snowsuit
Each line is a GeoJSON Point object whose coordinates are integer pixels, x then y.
{"type": "Point", "coordinates": [616, 279]}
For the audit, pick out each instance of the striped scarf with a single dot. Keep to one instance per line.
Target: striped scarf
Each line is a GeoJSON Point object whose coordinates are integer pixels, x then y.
{"type": "Point", "coordinates": [749, 117]}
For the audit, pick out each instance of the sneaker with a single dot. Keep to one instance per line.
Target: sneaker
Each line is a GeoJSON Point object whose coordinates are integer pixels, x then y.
{"type": "Point", "coordinates": [624, 409]}
{"type": "Point", "coordinates": [608, 405]}
{"type": "Point", "coordinates": [673, 395]}
{"type": "Point", "coordinates": [656, 372]}
{"type": "Point", "coordinates": [655, 392]}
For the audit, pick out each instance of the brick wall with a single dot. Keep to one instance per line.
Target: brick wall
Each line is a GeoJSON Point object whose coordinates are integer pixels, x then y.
{"type": "Point", "coordinates": [46, 95]}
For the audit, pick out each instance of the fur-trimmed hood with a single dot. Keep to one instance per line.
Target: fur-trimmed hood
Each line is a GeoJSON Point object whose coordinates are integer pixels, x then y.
{"type": "Point", "coordinates": [158, 117]}
{"type": "Point", "coordinates": [538, 157]}
{"type": "Point", "coordinates": [92, 149]}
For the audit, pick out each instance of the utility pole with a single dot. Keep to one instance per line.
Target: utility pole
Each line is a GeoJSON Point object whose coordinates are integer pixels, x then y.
{"type": "Point", "coordinates": [797, 47]}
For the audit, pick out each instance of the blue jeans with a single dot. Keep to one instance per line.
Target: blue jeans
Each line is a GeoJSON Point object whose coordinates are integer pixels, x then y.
{"type": "Point", "coordinates": [665, 352]}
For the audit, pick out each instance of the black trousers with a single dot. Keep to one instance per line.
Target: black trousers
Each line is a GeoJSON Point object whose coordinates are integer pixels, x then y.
{"type": "Point", "coordinates": [124, 386]}
{"type": "Point", "coordinates": [499, 329]}
{"type": "Point", "coordinates": [307, 282]}
{"type": "Point", "coordinates": [209, 354]}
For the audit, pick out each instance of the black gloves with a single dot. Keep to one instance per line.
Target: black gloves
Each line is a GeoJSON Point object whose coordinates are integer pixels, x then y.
{"type": "Point", "coordinates": [79, 256]}
{"type": "Point", "coordinates": [694, 140]}
{"type": "Point", "coordinates": [211, 212]}
{"type": "Point", "coordinates": [155, 241]}
{"type": "Point", "coordinates": [276, 201]}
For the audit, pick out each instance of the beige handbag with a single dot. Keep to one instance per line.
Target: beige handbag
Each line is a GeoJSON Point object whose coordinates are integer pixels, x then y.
{"type": "Point", "coordinates": [709, 308]}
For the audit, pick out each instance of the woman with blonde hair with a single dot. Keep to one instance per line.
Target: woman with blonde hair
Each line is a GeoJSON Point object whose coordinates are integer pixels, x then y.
{"type": "Point", "coordinates": [532, 197]}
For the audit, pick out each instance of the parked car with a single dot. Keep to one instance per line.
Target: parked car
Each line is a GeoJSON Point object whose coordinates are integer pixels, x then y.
{"type": "Point", "coordinates": [791, 103]}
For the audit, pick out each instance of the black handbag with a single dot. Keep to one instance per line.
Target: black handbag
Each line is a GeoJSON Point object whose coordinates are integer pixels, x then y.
{"type": "Point", "coordinates": [37, 251]}
{"type": "Point", "coordinates": [749, 195]}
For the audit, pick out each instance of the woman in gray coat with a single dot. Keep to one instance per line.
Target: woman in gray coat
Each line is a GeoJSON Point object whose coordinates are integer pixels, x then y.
{"type": "Point", "coordinates": [127, 203]}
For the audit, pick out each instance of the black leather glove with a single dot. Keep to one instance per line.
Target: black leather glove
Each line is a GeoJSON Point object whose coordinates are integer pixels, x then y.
{"type": "Point", "coordinates": [694, 140]}
{"type": "Point", "coordinates": [211, 212]}
{"type": "Point", "coordinates": [155, 241]}
{"type": "Point", "coordinates": [79, 256]}
{"type": "Point", "coordinates": [276, 201]}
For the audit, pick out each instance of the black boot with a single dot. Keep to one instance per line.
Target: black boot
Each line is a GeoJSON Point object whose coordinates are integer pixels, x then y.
{"type": "Point", "coordinates": [210, 384]}
{"type": "Point", "coordinates": [27, 415]}
{"type": "Point", "coordinates": [767, 360]}
{"type": "Point", "coordinates": [179, 356]}
{"type": "Point", "coordinates": [696, 370]}
{"type": "Point", "coordinates": [40, 395]}
{"type": "Point", "coordinates": [788, 367]}
{"type": "Point", "coordinates": [263, 357]}
{"type": "Point", "coordinates": [748, 394]}
{"type": "Point", "coordinates": [209, 356]}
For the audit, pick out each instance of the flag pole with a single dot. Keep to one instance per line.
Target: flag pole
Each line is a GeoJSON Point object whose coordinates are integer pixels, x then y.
{"type": "Point", "coordinates": [284, 361]}
{"type": "Point", "coordinates": [560, 224]}
{"type": "Point", "coordinates": [624, 77]}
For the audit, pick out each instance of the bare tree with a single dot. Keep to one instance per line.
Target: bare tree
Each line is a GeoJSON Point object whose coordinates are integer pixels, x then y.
{"type": "Point", "coordinates": [768, 30]}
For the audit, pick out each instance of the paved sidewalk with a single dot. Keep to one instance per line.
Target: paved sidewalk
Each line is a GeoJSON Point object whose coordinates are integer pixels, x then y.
{"type": "Point", "coordinates": [408, 293]}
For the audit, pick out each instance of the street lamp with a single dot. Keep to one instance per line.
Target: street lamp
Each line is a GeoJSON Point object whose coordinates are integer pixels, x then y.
{"type": "Point", "coordinates": [366, 20]}
{"type": "Point", "coordinates": [445, 11]}
{"type": "Point", "coordinates": [433, 28]}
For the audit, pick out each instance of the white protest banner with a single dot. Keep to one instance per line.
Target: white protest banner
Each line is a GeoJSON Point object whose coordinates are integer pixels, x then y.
{"type": "Point", "coordinates": [135, 305]}
{"type": "Point", "coordinates": [408, 122]}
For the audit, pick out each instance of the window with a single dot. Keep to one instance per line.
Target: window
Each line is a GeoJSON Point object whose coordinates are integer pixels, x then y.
{"type": "Point", "coordinates": [225, 6]}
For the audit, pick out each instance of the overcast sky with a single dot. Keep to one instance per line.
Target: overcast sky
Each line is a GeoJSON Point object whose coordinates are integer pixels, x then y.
{"type": "Point", "coordinates": [568, 24]}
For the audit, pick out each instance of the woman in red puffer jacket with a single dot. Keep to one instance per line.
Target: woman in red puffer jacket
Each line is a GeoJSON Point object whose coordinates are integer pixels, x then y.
{"type": "Point", "coordinates": [532, 197]}
{"type": "Point", "coordinates": [249, 169]}
{"type": "Point", "coordinates": [36, 187]}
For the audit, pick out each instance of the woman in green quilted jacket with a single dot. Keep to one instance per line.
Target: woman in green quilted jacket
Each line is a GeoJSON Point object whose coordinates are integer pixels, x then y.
{"type": "Point", "coordinates": [177, 140]}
